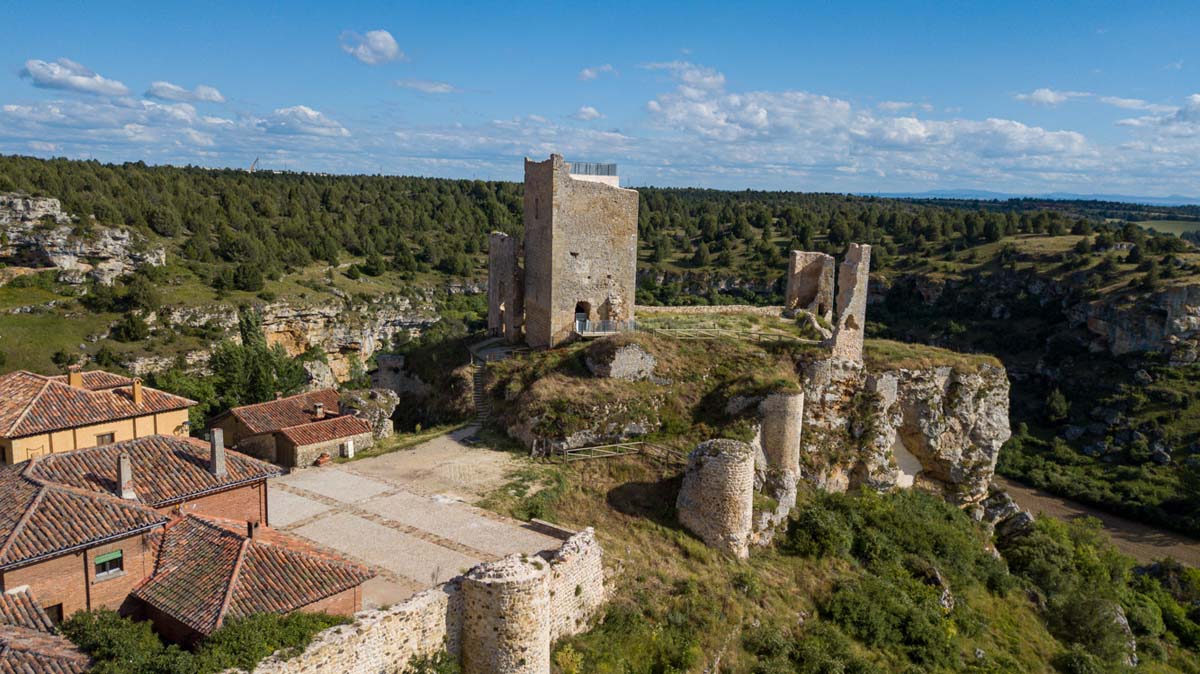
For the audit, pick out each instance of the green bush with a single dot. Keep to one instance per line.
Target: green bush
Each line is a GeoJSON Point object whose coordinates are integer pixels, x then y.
{"type": "Point", "coordinates": [1078, 661]}
{"type": "Point", "coordinates": [894, 611]}
{"type": "Point", "coordinates": [818, 531]}
{"type": "Point", "coordinates": [1145, 617]}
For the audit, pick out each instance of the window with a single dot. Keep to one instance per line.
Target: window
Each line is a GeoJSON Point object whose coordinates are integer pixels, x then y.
{"type": "Point", "coordinates": [55, 613]}
{"type": "Point", "coordinates": [105, 439]}
{"type": "Point", "coordinates": [109, 564]}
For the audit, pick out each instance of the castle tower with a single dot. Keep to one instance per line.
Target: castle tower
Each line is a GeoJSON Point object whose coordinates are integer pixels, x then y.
{"type": "Point", "coordinates": [580, 249]}
{"type": "Point", "coordinates": [782, 419]}
{"type": "Point", "coordinates": [506, 287]}
{"type": "Point", "coordinates": [810, 284]}
{"type": "Point", "coordinates": [853, 277]}
{"type": "Point", "coordinates": [716, 501]}
{"type": "Point", "coordinates": [506, 617]}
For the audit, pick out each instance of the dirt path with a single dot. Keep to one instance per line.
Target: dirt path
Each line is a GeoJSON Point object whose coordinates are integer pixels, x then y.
{"type": "Point", "coordinates": [1140, 541]}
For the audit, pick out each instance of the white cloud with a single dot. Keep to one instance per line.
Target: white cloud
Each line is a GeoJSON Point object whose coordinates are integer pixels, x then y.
{"type": "Point", "coordinates": [428, 86]}
{"type": "Point", "coordinates": [71, 76]}
{"type": "Point", "coordinates": [587, 113]}
{"type": "Point", "coordinates": [894, 106]}
{"type": "Point", "coordinates": [301, 120]}
{"type": "Point", "coordinates": [373, 48]}
{"type": "Point", "coordinates": [1174, 65]}
{"type": "Point", "coordinates": [167, 91]}
{"type": "Point", "coordinates": [42, 146]}
{"type": "Point", "coordinates": [693, 79]}
{"type": "Point", "coordinates": [1050, 97]}
{"type": "Point", "coordinates": [596, 71]}
{"type": "Point", "coordinates": [1183, 121]}
{"type": "Point", "coordinates": [1135, 104]}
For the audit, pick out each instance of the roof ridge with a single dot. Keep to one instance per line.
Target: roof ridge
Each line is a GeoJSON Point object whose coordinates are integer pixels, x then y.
{"type": "Point", "coordinates": [233, 578]}
{"type": "Point", "coordinates": [29, 406]}
{"type": "Point", "coordinates": [25, 517]}
{"type": "Point", "coordinates": [279, 400]}
{"type": "Point", "coordinates": [320, 421]}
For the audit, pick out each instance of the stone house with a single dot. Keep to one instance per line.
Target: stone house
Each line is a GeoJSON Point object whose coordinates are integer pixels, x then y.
{"type": "Point", "coordinates": [295, 430]}
{"type": "Point", "coordinates": [42, 415]}
{"type": "Point", "coordinates": [247, 569]}
{"type": "Point", "coordinates": [580, 257]}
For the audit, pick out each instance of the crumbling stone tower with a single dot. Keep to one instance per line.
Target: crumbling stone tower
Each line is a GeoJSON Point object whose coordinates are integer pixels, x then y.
{"type": "Point", "coordinates": [853, 277]}
{"type": "Point", "coordinates": [782, 420]}
{"type": "Point", "coordinates": [716, 501]}
{"type": "Point", "coordinates": [506, 287]}
{"type": "Point", "coordinates": [506, 617]}
{"type": "Point", "coordinates": [580, 255]}
{"type": "Point", "coordinates": [810, 284]}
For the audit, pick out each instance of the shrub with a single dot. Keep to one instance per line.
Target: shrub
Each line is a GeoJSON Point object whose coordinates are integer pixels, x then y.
{"type": "Point", "coordinates": [817, 532]}
{"type": "Point", "coordinates": [1078, 661]}
{"type": "Point", "coordinates": [1145, 617]}
{"type": "Point", "coordinates": [130, 328]}
{"type": "Point", "coordinates": [442, 663]}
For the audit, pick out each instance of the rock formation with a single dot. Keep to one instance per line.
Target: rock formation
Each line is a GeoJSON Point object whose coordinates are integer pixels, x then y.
{"type": "Point", "coordinates": [36, 233]}
{"type": "Point", "coordinates": [716, 501]}
{"type": "Point", "coordinates": [939, 428]}
{"type": "Point", "coordinates": [375, 406]}
{"type": "Point", "coordinates": [629, 362]}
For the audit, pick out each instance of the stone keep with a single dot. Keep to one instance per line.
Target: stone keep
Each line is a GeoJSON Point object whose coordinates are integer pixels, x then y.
{"type": "Point", "coordinates": [580, 250]}
{"type": "Point", "coordinates": [506, 617]}
{"type": "Point", "coordinates": [506, 287]}
{"type": "Point", "coordinates": [853, 277]}
{"type": "Point", "coordinates": [716, 501]}
{"type": "Point", "coordinates": [810, 284]}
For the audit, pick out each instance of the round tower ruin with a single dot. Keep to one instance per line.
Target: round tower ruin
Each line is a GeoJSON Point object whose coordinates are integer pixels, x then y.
{"type": "Point", "coordinates": [781, 417]}
{"type": "Point", "coordinates": [506, 617]}
{"type": "Point", "coordinates": [716, 501]}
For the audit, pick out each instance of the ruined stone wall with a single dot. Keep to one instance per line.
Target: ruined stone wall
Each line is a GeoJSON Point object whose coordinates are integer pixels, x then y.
{"type": "Point", "coordinates": [810, 283]}
{"type": "Point", "coordinates": [781, 421]}
{"type": "Point", "coordinates": [490, 616]}
{"type": "Point", "coordinates": [774, 311]}
{"type": "Point", "coordinates": [716, 501]}
{"type": "Point", "coordinates": [580, 247]}
{"type": "Point", "coordinates": [506, 306]}
{"type": "Point", "coordinates": [852, 284]}
{"type": "Point", "coordinates": [506, 617]}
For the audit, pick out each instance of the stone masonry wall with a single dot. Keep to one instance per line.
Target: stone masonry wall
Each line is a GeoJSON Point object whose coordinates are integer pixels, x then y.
{"type": "Point", "coordinates": [852, 282]}
{"type": "Point", "coordinates": [781, 421]}
{"type": "Point", "coordinates": [580, 248]}
{"type": "Point", "coordinates": [716, 501]}
{"type": "Point", "coordinates": [506, 308]}
{"type": "Point", "coordinates": [810, 283]}
{"type": "Point", "coordinates": [385, 641]}
{"type": "Point", "coordinates": [774, 311]}
{"type": "Point", "coordinates": [506, 617]}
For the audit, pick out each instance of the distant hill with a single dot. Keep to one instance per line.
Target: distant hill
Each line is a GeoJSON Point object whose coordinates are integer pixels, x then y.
{"type": "Point", "coordinates": [984, 195]}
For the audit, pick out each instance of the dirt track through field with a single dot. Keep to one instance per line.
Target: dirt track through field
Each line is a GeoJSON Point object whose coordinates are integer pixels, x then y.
{"type": "Point", "coordinates": [1140, 541]}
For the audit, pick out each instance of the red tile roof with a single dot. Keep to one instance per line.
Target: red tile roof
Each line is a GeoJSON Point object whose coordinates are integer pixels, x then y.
{"type": "Point", "coordinates": [28, 651]}
{"type": "Point", "coordinates": [209, 570]}
{"type": "Point", "coordinates": [18, 607]}
{"type": "Point", "coordinates": [166, 469]}
{"type": "Point", "coordinates": [329, 429]}
{"type": "Point", "coordinates": [41, 519]}
{"type": "Point", "coordinates": [96, 380]}
{"type": "Point", "coordinates": [294, 410]}
{"type": "Point", "coordinates": [31, 404]}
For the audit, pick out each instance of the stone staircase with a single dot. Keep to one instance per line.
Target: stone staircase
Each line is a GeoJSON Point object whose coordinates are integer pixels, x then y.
{"type": "Point", "coordinates": [483, 404]}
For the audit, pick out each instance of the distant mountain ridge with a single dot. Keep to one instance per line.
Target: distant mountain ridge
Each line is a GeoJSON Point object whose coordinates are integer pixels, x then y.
{"type": "Point", "coordinates": [984, 195]}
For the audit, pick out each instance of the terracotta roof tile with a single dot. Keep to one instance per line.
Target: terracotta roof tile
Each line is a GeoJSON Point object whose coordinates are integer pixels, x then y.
{"type": "Point", "coordinates": [18, 607]}
{"type": "Point", "coordinates": [96, 380]}
{"type": "Point", "coordinates": [329, 429]}
{"type": "Point", "coordinates": [31, 404]}
{"type": "Point", "coordinates": [39, 519]}
{"type": "Point", "coordinates": [166, 469]}
{"type": "Point", "coordinates": [29, 651]}
{"type": "Point", "coordinates": [208, 570]}
{"type": "Point", "coordinates": [294, 410]}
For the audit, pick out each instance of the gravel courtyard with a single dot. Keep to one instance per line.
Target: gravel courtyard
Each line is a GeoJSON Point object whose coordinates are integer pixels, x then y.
{"type": "Point", "coordinates": [405, 514]}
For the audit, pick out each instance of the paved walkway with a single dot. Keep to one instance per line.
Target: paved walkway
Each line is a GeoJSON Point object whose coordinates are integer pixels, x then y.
{"type": "Point", "coordinates": [405, 514]}
{"type": "Point", "coordinates": [1140, 541]}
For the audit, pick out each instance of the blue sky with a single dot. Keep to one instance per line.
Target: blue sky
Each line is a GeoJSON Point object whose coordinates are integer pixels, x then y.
{"type": "Point", "coordinates": [1093, 97]}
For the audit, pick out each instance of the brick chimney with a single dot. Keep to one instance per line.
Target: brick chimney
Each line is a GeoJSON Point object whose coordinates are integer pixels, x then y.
{"type": "Point", "coordinates": [216, 455]}
{"type": "Point", "coordinates": [137, 391]}
{"type": "Point", "coordinates": [252, 529]}
{"type": "Point", "coordinates": [125, 477]}
{"type": "Point", "coordinates": [75, 377]}
{"type": "Point", "coordinates": [319, 411]}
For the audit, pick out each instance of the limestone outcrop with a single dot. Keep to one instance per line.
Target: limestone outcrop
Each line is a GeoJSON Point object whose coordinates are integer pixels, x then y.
{"type": "Point", "coordinates": [36, 233]}
{"type": "Point", "coordinates": [629, 362]}
{"type": "Point", "coordinates": [1168, 321]}
{"type": "Point", "coordinates": [375, 406]}
{"type": "Point", "coordinates": [939, 428]}
{"type": "Point", "coordinates": [716, 501]}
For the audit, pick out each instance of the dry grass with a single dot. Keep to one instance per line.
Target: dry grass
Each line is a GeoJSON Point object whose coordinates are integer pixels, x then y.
{"type": "Point", "coordinates": [885, 354]}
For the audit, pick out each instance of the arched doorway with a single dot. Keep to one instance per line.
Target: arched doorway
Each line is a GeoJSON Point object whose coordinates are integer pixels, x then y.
{"type": "Point", "coordinates": [583, 314]}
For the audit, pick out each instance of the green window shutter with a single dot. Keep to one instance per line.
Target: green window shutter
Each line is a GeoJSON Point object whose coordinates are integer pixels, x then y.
{"type": "Point", "coordinates": [108, 557]}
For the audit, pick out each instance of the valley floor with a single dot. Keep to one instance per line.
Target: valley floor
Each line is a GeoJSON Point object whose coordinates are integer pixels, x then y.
{"type": "Point", "coordinates": [1142, 542]}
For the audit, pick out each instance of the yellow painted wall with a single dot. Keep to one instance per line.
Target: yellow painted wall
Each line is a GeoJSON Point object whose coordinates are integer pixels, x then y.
{"type": "Point", "coordinates": [164, 423]}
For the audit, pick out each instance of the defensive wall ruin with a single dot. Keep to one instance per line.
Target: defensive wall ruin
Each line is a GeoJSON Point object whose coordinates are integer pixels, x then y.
{"type": "Point", "coordinates": [499, 618]}
{"type": "Point", "coordinates": [810, 284]}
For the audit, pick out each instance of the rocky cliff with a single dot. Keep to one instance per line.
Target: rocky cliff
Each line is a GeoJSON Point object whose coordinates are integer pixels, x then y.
{"type": "Point", "coordinates": [938, 428]}
{"type": "Point", "coordinates": [36, 234]}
